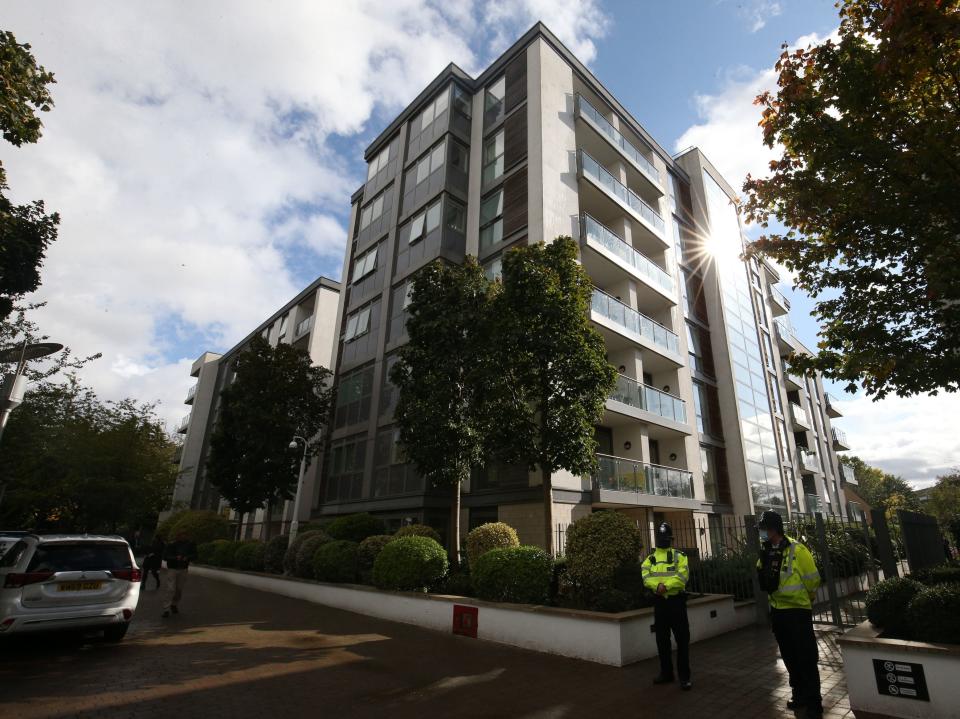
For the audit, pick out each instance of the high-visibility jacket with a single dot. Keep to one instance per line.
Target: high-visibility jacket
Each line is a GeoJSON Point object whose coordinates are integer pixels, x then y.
{"type": "Point", "coordinates": [666, 566]}
{"type": "Point", "coordinates": [799, 578]}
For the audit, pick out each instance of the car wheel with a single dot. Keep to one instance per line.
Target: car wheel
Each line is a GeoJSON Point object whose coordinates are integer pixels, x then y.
{"type": "Point", "coordinates": [116, 632]}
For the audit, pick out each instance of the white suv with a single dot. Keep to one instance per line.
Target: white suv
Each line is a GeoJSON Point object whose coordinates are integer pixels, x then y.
{"type": "Point", "coordinates": [64, 582]}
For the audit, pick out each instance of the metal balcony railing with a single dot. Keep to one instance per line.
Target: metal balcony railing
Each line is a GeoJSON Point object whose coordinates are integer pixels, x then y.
{"type": "Point", "coordinates": [609, 240]}
{"type": "Point", "coordinates": [184, 423]}
{"type": "Point", "coordinates": [633, 321]}
{"type": "Point", "coordinates": [191, 393]}
{"type": "Point", "coordinates": [599, 174]}
{"type": "Point", "coordinates": [643, 396]}
{"type": "Point", "coordinates": [619, 474]}
{"type": "Point", "coordinates": [831, 403]}
{"type": "Point", "coordinates": [780, 298]}
{"type": "Point", "coordinates": [618, 140]}
{"type": "Point", "coordinates": [839, 436]}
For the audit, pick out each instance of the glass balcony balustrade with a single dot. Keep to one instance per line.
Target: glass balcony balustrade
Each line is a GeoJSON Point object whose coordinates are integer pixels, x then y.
{"type": "Point", "coordinates": [779, 298]}
{"type": "Point", "coordinates": [184, 424]}
{"type": "Point", "coordinates": [808, 460]}
{"type": "Point", "coordinates": [632, 321]}
{"type": "Point", "coordinates": [642, 396]}
{"type": "Point", "coordinates": [191, 393]}
{"type": "Point", "coordinates": [799, 414]}
{"type": "Point", "coordinates": [303, 326]}
{"type": "Point", "coordinates": [839, 436]}
{"type": "Point", "coordinates": [599, 174]}
{"type": "Point", "coordinates": [609, 240]}
{"type": "Point", "coordinates": [617, 138]}
{"type": "Point", "coordinates": [619, 474]}
{"type": "Point", "coordinates": [814, 504]}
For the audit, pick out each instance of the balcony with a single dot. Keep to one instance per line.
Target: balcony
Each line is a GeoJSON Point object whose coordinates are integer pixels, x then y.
{"type": "Point", "coordinates": [839, 439]}
{"type": "Point", "coordinates": [792, 381]}
{"type": "Point", "coordinates": [778, 302]}
{"type": "Point", "coordinates": [648, 404]}
{"type": "Point", "coordinates": [798, 417]}
{"type": "Point", "coordinates": [605, 183]}
{"type": "Point", "coordinates": [184, 423]}
{"type": "Point", "coordinates": [191, 393]}
{"type": "Point", "coordinates": [610, 256]}
{"type": "Point", "coordinates": [808, 461]}
{"type": "Point", "coordinates": [303, 326]}
{"type": "Point", "coordinates": [847, 475]}
{"type": "Point", "coordinates": [814, 503]}
{"type": "Point", "coordinates": [621, 325]}
{"type": "Point", "coordinates": [786, 341]}
{"type": "Point", "coordinates": [831, 402]}
{"type": "Point", "coordinates": [177, 454]}
{"type": "Point", "coordinates": [595, 119]}
{"type": "Point", "coordinates": [621, 475]}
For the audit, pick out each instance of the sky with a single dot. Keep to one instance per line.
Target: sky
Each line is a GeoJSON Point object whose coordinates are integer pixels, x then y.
{"type": "Point", "coordinates": [202, 157]}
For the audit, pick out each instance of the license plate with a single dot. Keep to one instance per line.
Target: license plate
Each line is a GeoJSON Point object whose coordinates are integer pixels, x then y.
{"type": "Point", "coordinates": [79, 586]}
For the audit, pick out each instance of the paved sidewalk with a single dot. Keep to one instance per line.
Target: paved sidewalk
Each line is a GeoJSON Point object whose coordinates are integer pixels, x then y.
{"type": "Point", "coordinates": [236, 652]}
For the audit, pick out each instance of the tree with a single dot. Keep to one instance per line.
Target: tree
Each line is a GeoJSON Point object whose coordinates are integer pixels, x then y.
{"type": "Point", "coordinates": [25, 230]}
{"type": "Point", "coordinates": [276, 394]}
{"type": "Point", "coordinates": [869, 127]}
{"type": "Point", "coordinates": [16, 329]}
{"type": "Point", "coordinates": [881, 490]}
{"type": "Point", "coordinates": [944, 501]}
{"type": "Point", "coordinates": [73, 462]}
{"type": "Point", "coordinates": [436, 374]}
{"type": "Point", "coordinates": [549, 379]}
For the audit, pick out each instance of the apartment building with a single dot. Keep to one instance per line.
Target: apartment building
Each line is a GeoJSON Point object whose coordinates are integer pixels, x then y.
{"type": "Point", "coordinates": [308, 321]}
{"type": "Point", "coordinates": [705, 420]}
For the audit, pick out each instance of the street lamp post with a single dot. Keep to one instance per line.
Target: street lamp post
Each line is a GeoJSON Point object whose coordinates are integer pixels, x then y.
{"type": "Point", "coordinates": [295, 523]}
{"type": "Point", "coordinates": [15, 385]}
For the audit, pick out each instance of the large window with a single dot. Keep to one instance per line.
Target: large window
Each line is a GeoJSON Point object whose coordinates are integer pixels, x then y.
{"type": "Point", "coordinates": [371, 212]}
{"type": "Point", "coordinates": [426, 165]}
{"type": "Point", "coordinates": [425, 222]}
{"type": "Point", "coordinates": [492, 159]}
{"type": "Point", "coordinates": [345, 471]}
{"type": "Point", "coordinates": [431, 112]}
{"type": "Point", "coordinates": [353, 397]}
{"type": "Point", "coordinates": [378, 163]}
{"type": "Point", "coordinates": [365, 264]}
{"type": "Point", "coordinates": [461, 101]}
{"type": "Point", "coordinates": [491, 220]}
{"type": "Point", "coordinates": [459, 157]}
{"type": "Point", "coordinates": [493, 101]}
{"type": "Point", "coordinates": [358, 324]}
{"type": "Point", "coordinates": [708, 464]}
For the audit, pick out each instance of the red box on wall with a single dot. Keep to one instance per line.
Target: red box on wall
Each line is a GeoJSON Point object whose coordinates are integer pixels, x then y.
{"type": "Point", "coordinates": [465, 620]}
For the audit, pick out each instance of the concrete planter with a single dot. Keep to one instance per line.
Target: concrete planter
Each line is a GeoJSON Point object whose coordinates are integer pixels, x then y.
{"type": "Point", "coordinates": [899, 678]}
{"type": "Point", "coordinates": [613, 639]}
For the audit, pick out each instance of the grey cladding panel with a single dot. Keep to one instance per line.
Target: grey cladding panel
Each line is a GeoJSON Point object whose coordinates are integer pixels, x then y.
{"type": "Point", "coordinates": [516, 82]}
{"type": "Point", "coordinates": [515, 203]}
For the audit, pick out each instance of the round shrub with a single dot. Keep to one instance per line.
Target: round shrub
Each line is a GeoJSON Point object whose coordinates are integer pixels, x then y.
{"type": "Point", "coordinates": [303, 565]}
{"type": "Point", "coordinates": [200, 527]}
{"type": "Point", "coordinates": [410, 563]}
{"type": "Point", "coordinates": [163, 529]}
{"type": "Point", "coordinates": [225, 553]}
{"type": "Point", "coordinates": [514, 574]}
{"type": "Point", "coordinates": [887, 601]}
{"type": "Point", "coordinates": [459, 584]}
{"type": "Point", "coordinates": [290, 556]}
{"type": "Point", "coordinates": [206, 552]}
{"type": "Point", "coordinates": [934, 614]}
{"type": "Point", "coordinates": [418, 530]}
{"type": "Point", "coordinates": [486, 537]}
{"type": "Point", "coordinates": [937, 575]}
{"type": "Point", "coordinates": [355, 527]}
{"type": "Point", "coordinates": [597, 546]}
{"type": "Point", "coordinates": [250, 556]}
{"type": "Point", "coordinates": [336, 561]}
{"type": "Point", "coordinates": [370, 548]}
{"type": "Point", "coordinates": [274, 552]}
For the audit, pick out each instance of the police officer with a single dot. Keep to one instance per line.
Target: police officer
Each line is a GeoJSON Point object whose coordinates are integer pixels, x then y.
{"type": "Point", "coordinates": [665, 572]}
{"type": "Point", "coordinates": [788, 574]}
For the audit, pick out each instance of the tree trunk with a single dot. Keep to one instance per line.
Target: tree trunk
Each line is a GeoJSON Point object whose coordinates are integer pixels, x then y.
{"type": "Point", "coordinates": [265, 532]}
{"type": "Point", "coordinates": [240, 526]}
{"type": "Point", "coordinates": [546, 474]}
{"type": "Point", "coordinates": [453, 540]}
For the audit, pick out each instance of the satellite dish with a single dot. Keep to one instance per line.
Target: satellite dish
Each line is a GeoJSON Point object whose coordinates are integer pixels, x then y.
{"type": "Point", "coordinates": [31, 352]}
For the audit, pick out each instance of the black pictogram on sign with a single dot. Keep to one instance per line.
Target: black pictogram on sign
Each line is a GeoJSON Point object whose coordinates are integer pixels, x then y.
{"type": "Point", "coordinates": [900, 679]}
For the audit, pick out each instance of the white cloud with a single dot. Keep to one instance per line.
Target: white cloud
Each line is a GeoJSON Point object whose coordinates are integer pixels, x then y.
{"type": "Point", "coordinates": [758, 12]}
{"type": "Point", "coordinates": [184, 133]}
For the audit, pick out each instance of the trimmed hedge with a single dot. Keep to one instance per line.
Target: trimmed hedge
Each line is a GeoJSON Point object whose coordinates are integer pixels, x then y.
{"type": "Point", "coordinates": [163, 529]}
{"type": "Point", "coordinates": [336, 561]}
{"type": "Point", "coordinates": [207, 551]}
{"type": "Point", "coordinates": [513, 574]}
{"type": "Point", "coordinates": [598, 545]}
{"type": "Point", "coordinates": [732, 574]}
{"type": "Point", "coordinates": [410, 563]}
{"type": "Point", "coordinates": [418, 530]}
{"type": "Point", "coordinates": [303, 564]}
{"type": "Point", "coordinates": [355, 527]}
{"type": "Point", "coordinates": [290, 556]}
{"type": "Point", "coordinates": [274, 553]}
{"type": "Point", "coordinates": [937, 575]}
{"type": "Point", "coordinates": [225, 554]}
{"type": "Point", "coordinates": [887, 602]}
{"type": "Point", "coordinates": [200, 527]}
{"type": "Point", "coordinates": [250, 556]}
{"type": "Point", "coordinates": [459, 584]}
{"type": "Point", "coordinates": [369, 549]}
{"type": "Point", "coordinates": [933, 615]}
{"type": "Point", "coordinates": [486, 537]}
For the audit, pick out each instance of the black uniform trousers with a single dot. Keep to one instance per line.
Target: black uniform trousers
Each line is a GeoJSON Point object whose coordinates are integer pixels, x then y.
{"type": "Point", "coordinates": [670, 614]}
{"type": "Point", "coordinates": [793, 629]}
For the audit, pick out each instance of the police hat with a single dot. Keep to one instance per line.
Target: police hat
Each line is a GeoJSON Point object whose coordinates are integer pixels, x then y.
{"type": "Point", "coordinates": [771, 520]}
{"type": "Point", "coordinates": [665, 530]}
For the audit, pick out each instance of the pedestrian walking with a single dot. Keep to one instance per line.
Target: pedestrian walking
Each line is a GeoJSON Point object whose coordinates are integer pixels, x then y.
{"type": "Point", "coordinates": [665, 572]}
{"type": "Point", "coordinates": [178, 555]}
{"type": "Point", "coordinates": [789, 576]}
{"type": "Point", "coordinates": [153, 561]}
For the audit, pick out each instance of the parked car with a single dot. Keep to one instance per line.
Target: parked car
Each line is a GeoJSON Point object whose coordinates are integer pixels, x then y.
{"type": "Point", "coordinates": [68, 582]}
{"type": "Point", "coordinates": [8, 539]}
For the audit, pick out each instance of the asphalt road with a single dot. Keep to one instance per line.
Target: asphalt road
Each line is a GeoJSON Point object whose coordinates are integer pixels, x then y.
{"type": "Point", "coordinates": [236, 652]}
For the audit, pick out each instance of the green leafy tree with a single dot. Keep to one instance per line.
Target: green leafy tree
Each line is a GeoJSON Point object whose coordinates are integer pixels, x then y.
{"type": "Point", "coordinates": [549, 378]}
{"type": "Point", "coordinates": [25, 230]}
{"type": "Point", "coordinates": [15, 329]}
{"type": "Point", "coordinates": [436, 374]}
{"type": "Point", "coordinates": [73, 462]}
{"type": "Point", "coordinates": [944, 501]}
{"type": "Point", "coordinates": [882, 490]}
{"type": "Point", "coordinates": [866, 186]}
{"type": "Point", "coordinates": [276, 394]}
